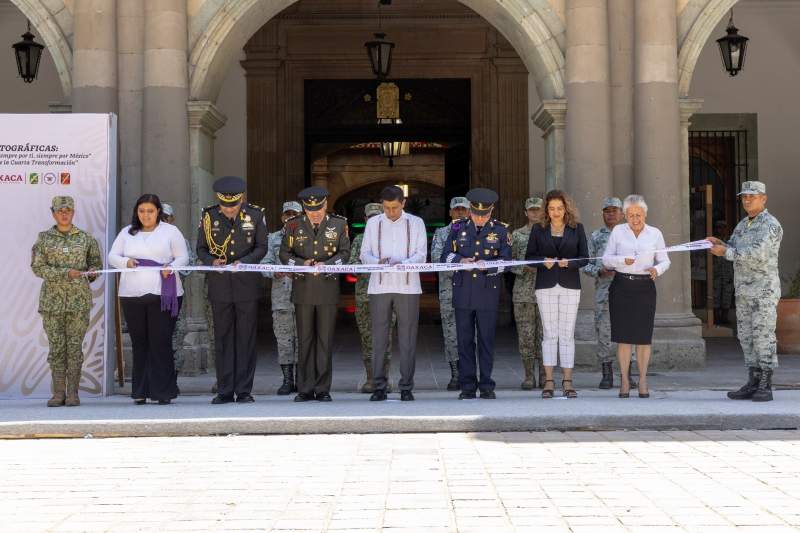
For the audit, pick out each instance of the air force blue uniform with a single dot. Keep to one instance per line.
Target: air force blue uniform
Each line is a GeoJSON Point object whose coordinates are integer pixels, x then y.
{"type": "Point", "coordinates": [476, 294]}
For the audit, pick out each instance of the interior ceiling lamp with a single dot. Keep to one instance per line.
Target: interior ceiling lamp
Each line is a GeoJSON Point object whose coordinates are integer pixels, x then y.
{"type": "Point", "coordinates": [392, 149]}
{"type": "Point", "coordinates": [28, 53]}
{"type": "Point", "coordinates": [732, 47]}
{"type": "Point", "coordinates": [380, 50]}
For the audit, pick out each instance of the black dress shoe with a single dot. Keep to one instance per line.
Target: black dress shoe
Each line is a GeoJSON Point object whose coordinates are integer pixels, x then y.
{"type": "Point", "coordinates": [467, 395]}
{"type": "Point", "coordinates": [488, 395]}
{"type": "Point", "coordinates": [303, 397]}
{"type": "Point", "coordinates": [406, 396]}
{"type": "Point", "coordinates": [164, 402]}
{"type": "Point", "coordinates": [245, 398]}
{"type": "Point", "coordinates": [324, 397]}
{"type": "Point", "coordinates": [378, 396]}
{"type": "Point", "coordinates": [222, 399]}
{"type": "Point", "coordinates": [140, 401]}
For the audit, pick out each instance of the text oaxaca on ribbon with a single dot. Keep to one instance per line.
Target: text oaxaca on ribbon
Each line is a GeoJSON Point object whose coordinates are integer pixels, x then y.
{"type": "Point", "coordinates": [384, 268]}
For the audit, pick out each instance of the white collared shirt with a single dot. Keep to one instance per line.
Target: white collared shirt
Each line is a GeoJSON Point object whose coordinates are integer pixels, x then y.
{"type": "Point", "coordinates": [402, 241]}
{"type": "Point", "coordinates": [164, 245]}
{"type": "Point", "coordinates": [623, 243]}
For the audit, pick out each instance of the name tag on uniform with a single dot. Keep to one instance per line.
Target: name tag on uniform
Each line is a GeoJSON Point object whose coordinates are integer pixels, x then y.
{"type": "Point", "coordinates": [248, 226]}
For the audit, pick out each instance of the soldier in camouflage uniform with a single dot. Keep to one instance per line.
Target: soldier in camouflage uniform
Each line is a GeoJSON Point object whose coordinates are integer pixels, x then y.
{"type": "Point", "coordinates": [459, 210]}
{"type": "Point", "coordinates": [526, 310]}
{"type": "Point", "coordinates": [723, 279]}
{"type": "Point", "coordinates": [58, 257]}
{"type": "Point", "coordinates": [612, 215]}
{"type": "Point", "coordinates": [363, 320]}
{"type": "Point", "coordinates": [283, 320]}
{"type": "Point", "coordinates": [753, 248]}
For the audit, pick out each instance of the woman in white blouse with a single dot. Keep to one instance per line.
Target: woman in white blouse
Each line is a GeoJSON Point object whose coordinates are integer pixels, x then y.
{"type": "Point", "coordinates": [151, 299]}
{"type": "Point", "coordinates": [632, 251]}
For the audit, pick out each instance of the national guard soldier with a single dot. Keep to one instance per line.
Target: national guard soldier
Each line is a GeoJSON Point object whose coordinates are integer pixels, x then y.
{"type": "Point", "coordinates": [753, 249]}
{"type": "Point", "coordinates": [526, 310]}
{"type": "Point", "coordinates": [233, 232]}
{"type": "Point", "coordinates": [363, 320]}
{"type": "Point", "coordinates": [476, 292]}
{"type": "Point", "coordinates": [459, 210]}
{"type": "Point", "coordinates": [283, 321]}
{"type": "Point", "coordinates": [315, 238]}
{"type": "Point", "coordinates": [612, 215]}
{"type": "Point", "coordinates": [58, 257]}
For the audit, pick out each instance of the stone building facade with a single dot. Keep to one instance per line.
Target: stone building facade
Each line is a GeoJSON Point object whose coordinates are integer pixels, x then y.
{"type": "Point", "coordinates": [597, 99]}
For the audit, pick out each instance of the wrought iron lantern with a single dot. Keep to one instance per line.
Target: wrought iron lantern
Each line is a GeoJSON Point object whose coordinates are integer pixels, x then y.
{"type": "Point", "coordinates": [392, 149]}
{"type": "Point", "coordinates": [380, 55]}
{"type": "Point", "coordinates": [28, 54]}
{"type": "Point", "coordinates": [733, 47]}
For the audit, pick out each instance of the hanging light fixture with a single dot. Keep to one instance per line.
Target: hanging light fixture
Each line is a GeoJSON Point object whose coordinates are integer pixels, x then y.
{"type": "Point", "coordinates": [28, 53]}
{"type": "Point", "coordinates": [733, 47]}
{"type": "Point", "coordinates": [380, 50]}
{"type": "Point", "coordinates": [392, 149]}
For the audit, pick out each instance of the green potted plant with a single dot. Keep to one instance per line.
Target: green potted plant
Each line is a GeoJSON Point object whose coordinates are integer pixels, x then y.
{"type": "Point", "coordinates": [788, 327]}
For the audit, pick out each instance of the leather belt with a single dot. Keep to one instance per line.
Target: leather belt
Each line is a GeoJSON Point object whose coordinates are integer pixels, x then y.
{"type": "Point", "coordinates": [634, 277]}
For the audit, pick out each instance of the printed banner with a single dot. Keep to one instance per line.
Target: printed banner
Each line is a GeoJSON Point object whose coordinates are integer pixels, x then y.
{"type": "Point", "coordinates": [42, 156]}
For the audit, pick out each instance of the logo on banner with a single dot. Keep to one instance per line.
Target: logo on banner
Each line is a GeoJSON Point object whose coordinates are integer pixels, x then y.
{"type": "Point", "coordinates": [65, 178]}
{"type": "Point", "coordinates": [12, 178]}
{"type": "Point", "coordinates": [33, 178]}
{"type": "Point", "coordinates": [49, 178]}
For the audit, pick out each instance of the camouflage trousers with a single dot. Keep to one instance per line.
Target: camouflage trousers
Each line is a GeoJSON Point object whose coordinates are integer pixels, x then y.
{"type": "Point", "coordinates": [756, 318]}
{"type": "Point", "coordinates": [602, 327]}
{"type": "Point", "coordinates": [285, 329]}
{"type": "Point", "coordinates": [529, 330]}
{"type": "Point", "coordinates": [210, 325]}
{"type": "Point", "coordinates": [364, 323]}
{"type": "Point", "coordinates": [177, 339]}
{"type": "Point", "coordinates": [448, 314]}
{"type": "Point", "coordinates": [65, 333]}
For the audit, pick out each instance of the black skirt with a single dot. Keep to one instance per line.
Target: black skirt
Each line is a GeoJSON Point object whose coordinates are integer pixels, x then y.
{"type": "Point", "coordinates": [632, 306]}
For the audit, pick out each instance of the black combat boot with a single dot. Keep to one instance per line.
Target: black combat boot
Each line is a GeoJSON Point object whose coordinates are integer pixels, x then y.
{"type": "Point", "coordinates": [454, 384]}
{"type": "Point", "coordinates": [608, 376]}
{"type": "Point", "coordinates": [288, 386]}
{"type": "Point", "coordinates": [746, 392]}
{"type": "Point", "coordinates": [764, 391]}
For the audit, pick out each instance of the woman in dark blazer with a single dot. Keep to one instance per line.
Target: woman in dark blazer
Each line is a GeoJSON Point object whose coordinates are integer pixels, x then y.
{"type": "Point", "coordinates": [560, 242]}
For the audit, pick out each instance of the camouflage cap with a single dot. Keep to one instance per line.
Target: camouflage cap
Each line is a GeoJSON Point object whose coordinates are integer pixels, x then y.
{"type": "Point", "coordinates": [459, 201]}
{"type": "Point", "coordinates": [753, 187]}
{"type": "Point", "coordinates": [534, 202]}
{"type": "Point", "coordinates": [62, 202]}
{"type": "Point", "coordinates": [373, 209]}
{"type": "Point", "coordinates": [292, 206]}
{"type": "Point", "coordinates": [612, 201]}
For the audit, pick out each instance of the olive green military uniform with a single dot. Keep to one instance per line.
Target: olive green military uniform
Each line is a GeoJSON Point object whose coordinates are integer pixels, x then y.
{"type": "Point", "coordinates": [64, 303]}
{"type": "Point", "coordinates": [315, 296]}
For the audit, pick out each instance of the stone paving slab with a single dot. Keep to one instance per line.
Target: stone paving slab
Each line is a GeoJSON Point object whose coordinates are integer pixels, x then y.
{"type": "Point", "coordinates": [432, 411]}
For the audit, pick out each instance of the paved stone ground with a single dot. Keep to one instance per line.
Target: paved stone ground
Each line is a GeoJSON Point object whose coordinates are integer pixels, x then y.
{"type": "Point", "coordinates": [724, 367]}
{"type": "Point", "coordinates": [703, 481]}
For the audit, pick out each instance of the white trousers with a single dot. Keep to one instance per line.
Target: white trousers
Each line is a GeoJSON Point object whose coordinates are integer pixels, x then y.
{"type": "Point", "coordinates": [559, 309]}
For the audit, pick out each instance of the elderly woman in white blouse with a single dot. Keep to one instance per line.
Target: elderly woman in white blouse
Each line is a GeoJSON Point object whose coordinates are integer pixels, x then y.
{"type": "Point", "coordinates": [151, 299]}
{"type": "Point", "coordinates": [632, 253]}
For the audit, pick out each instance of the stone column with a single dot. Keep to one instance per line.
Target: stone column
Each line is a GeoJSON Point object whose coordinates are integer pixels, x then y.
{"type": "Point", "coordinates": [205, 119]}
{"type": "Point", "coordinates": [165, 135]}
{"type": "Point", "coordinates": [620, 29]}
{"type": "Point", "coordinates": [658, 176]}
{"type": "Point", "coordinates": [588, 132]}
{"type": "Point", "coordinates": [130, 42]}
{"type": "Point", "coordinates": [688, 107]}
{"type": "Point", "coordinates": [94, 70]}
{"type": "Point", "coordinates": [551, 119]}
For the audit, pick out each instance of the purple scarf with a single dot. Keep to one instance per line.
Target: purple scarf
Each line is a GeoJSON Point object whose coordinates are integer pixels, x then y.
{"type": "Point", "coordinates": [169, 288]}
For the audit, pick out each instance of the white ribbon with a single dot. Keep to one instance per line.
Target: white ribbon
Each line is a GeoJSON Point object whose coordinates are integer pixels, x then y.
{"type": "Point", "coordinates": [384, 268]}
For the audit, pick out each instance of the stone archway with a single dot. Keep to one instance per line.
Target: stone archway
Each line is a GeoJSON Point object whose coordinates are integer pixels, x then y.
{"type": "Point", "coordinates": [699, 32]}
{"type": "Point", "coordinates": [531, 26]}
{"type": "Point", "coordinates": [55, 34]}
